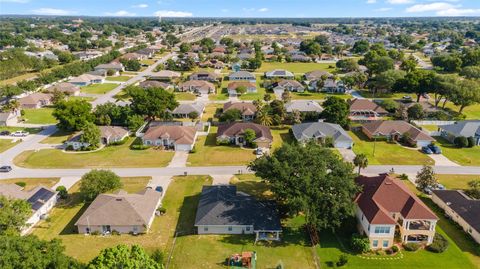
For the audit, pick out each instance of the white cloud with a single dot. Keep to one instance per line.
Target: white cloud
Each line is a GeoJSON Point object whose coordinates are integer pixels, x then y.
{"type": "Point", "coordinates": [140, 6]}
{"type": "Point", "coordinates": [371, 1]}
{"type": "Point", "coordinates": [120, 13]}
{"type": "Point", "coordinates": [263, 9]}
{"type": "Point", "coordinates": [172, 13]}
{"type": "Point", "coordinates": [52, 11]}
{"type": "Point", "coordinates": [15, 1]}
{"type": "Point", "coordinates": [225, 10]}
{"type": "Point", "coordinates": [383, 9]}
{"type": "Point", "coordinates": [458, 12]}
{"type": "Point", "coordinates": [400, 2]}
{"type": "Point", "coordinates": [438, 6]}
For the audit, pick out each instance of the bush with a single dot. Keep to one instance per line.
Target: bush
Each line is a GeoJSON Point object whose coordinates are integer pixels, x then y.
{"type": "Point", "coordinates": [115, 232]}
{"type": "Point", "coordinates": [193, 150]}
{"type": "Point", "coordinates": [395, 249]}
{"type": "Point", "coordinates": [360, 243]}
{"type": "Point", "coordinates": [403, 177]}
{"type": "Point", "coordinates": [69, 148]}
{"type": "Point", "coordinates": [162, 210]}
{"type": "Point", "coordinates": [158, 256]}
{"type": "Point", "coordinates": [21, 184]}
{"type": "Point", "coordinates": [389, 105]}
{"type": "Point", "coordinates": [342, 260]}
{"type": "Point", "coordinates": [118, 143]}
{"type": "Point", "coordinates": [62, 192]}
{"type": "Point", "coordinates": [95, 233]}
{"type": "Point", "coordinates": [471, 142]}
{"type": "Point", "coordinates": [411, 246]}
{"type": "Point", "coordinates": [460, 142]}
{"type": "Point", "coordinates": [439, 245]}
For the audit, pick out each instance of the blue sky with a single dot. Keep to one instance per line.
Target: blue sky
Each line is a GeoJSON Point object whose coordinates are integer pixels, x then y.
{"type": "Point", "coordinates": [245, 8]}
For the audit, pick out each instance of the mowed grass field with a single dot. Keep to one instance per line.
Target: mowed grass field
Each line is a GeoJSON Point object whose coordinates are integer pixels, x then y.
{"type": "Point", "coordinates": [458, 182]}
{"type": "Point", "coordinates": [40, 116]}
{"type": "Point", "coordinates": [119, 78]}
{"type": "Point", "coordinates": [462, 156]}
{"type": "Point", "coordinates": [99, 88]}
{"type": "Point", "coordinates": [111, 156]}
{"type": "Point", "coordinates": [296, 67]}
{"type": "Point", "coordinates": [32, 182]}
{"type": "Point", "coordinates": [5, 144]}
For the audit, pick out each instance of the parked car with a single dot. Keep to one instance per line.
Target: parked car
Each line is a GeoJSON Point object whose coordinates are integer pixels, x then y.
{"type": "Point", "coordinates": [259, 151]}
{"type": "Point", "coordinates": [159, 189]}
{"type": "Point", "coordinates": [20, 134]}
{"type": "Point", "coordinates": [407, 98]}
{"type": "Point", "coordinates": [435, 149]}
{"type": "Point", "coordinates": [4, 133]}
{"type": "Point", "coordinates": [427, 150]}
{"type": "Point", "coordinates": [439, 187]}
{"type": "Point", "coordinates": [5, 169]}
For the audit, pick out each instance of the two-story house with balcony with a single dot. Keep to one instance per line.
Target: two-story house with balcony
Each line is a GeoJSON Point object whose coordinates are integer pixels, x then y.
{"type": "Point", "coordinates": [386, 206]}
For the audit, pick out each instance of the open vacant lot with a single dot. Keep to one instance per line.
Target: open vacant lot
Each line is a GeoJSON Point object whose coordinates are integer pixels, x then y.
{"type": "Point", "coordinates": [209, 154]}
{"type": "Point", "coordinates": [99, 88]}
{"type": "Point", "coordinates": [387, 153]}
{"type": "Point", "coordinates": [39, 116]}
{"type": "Point", "coordinates": [184, 96]}
{"type": "Point", "coordinates": [463, 156]}
{"type": "Point", "coordinates": [296, 67]}
{"type": "Point", "coordinates": [179, 196]}
{"type": "Point", "coordinates": [6, 144]}
{"type": "Point", "coordinates": [119, 78]}
{"type": "Point", "coordinates": [111, 156]}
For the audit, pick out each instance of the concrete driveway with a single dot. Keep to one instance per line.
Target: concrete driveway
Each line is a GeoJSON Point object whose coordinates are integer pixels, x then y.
{"type": "Point", "coordinates": [347, 154]}
{"type": "Point", "coordinates": [179, 159]}
{"type": "Point", "coordinates": [441, 160]}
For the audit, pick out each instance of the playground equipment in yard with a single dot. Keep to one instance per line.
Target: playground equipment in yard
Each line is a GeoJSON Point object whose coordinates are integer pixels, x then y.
{"type": "Point", "coordinates": [247, 259]}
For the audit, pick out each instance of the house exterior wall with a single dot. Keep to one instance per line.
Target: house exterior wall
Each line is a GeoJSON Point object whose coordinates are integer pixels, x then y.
{"type": "Point", "coordinates": [76, 144]}
{"type": "Point", "coordinates": [377, 241]}
{"type": "Point", "coordinates": [455, 217]}
{"type": "Point", "coordinates": [423, 143]}
{"type": "Point", "coordinates": [83, 229]}
{"type": "Point", "coordinates": [343, 144]}
{"type": "Point", "coordinates": [224, 229]}
{"type": "Point", "coordinates": [38, 214]}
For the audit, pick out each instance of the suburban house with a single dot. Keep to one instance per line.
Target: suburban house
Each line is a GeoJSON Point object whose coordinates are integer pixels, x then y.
{"type": "Point", "coordinates": [148, 53]}
{"type": "Point", "coordinates": [164, 75]}
{"type": "Point", "coordinates": [121, 212]}
{"type": "Point", "coordinates": [108, 135]}
{"type": "Point", "coordinates": [155, 84]}
{"type": "Point", "coordinates": [316, 75]}
{"type": "Point", "coordinates": [385, 206]}
{"type": "Point", "coordinates": [330, 85]}
{"type": "Point", "coordinates": [205, 76]}
{"type": "Point", "coordinates": [233, 86]}
{"type": "Point", "coordinates": [8, 118]}
{"type": "Point", "coordinates": [133, 56]}
{"type": "Point", "coordinates": [184, 110]}
{"type": "Point", "coordinates": [462, 209]}
{"type": "Point", "coordinates": [467, 128]}
{"type": "Point", "coordinates": [248, 110]}
{"type": "Point", "coordinates": [35, 100]}
{"type": "Point", "coordinates": [221, 210]}
{"type": "Point", "coordinates": [303, 106]}
{"type": "Point", "coordinates": [87, 79]}
{"type": "Point", "coordinates": [178, 138]}
{"type": "Point", "coordinates": [319, 131]}
{"type": "Point", "coordinates": [300, 58]}
{"type": "Point", "coordinates": [42, 200]}
{"type": "Point", "coordinates": [242, 75]}
{"type": "Point", "coordinates": [197, 86]}
{"type": "Point", "coordinates": [233, 133]}
{"type": "Point", "coordinates": [279, 73]}
{"type": "Point", "coordinates": [66, 88]}
{"type": "Point", "coordinates": [117, 67]}
{"type": "Point", "coordinates": [394, 130]}
{"type": "Point", "coordinates": [288, 85]}
{"type": "Point", "coordinates": [365, 110]}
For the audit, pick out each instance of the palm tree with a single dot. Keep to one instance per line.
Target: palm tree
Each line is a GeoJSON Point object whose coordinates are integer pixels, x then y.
{"type": "Point", "coordinates": [361, 161]}
{"type": "Point", "coordinates": [263, 117]}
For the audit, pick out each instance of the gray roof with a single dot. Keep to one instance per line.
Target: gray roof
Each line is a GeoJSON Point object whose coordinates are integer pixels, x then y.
{"type": "Point", "coordinates": [220, 205]}
{"type": "Point", "coordinates": [462, 205]}
{"type": "Point", "coordinates": [36, 197]}
{"type": "Point", "coordinates": [241, 74]}
{"type": "Point", "coordinates": [187, 108]}
{"type": "Point", "coordinates": [463, 128]}
{"type": "Point", "coordinates": [306, 131]}
{"type": "Point", "coordinates": [279, 73]}
{"type": "Point", "coordinates": [303, 106]}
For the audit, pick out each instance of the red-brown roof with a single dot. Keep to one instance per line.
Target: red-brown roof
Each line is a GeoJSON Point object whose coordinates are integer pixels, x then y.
{"type": "Point", "coordinates": [384, 195]}
{"type": "Point", "coordinates": [366, 105]}
{"type": "Point", "coordinates": [244, 107]}
{"type": "Point", "coordinates": [396, 126]}
{"type": "Point", "coordinates": [238, 128]}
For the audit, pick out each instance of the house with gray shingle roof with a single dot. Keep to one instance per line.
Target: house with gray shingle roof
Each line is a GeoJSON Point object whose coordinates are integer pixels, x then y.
{"type": "Point", "coordinates": [318, 131]}
{"type": "Point", "coordinates": [468, 128]}
{"type": "Point", "coordinates": [303, 106]}
{"type": "Point", "coordinates": [279, 73]}
{"type": "Point", "coordinates": [242, 75]}
{"type": "Point", "coordinates": [183, 110]}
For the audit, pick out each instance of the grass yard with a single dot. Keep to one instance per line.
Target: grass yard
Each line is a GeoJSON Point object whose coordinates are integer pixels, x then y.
{"type": "Point", "coordinates": [111, 156]}
{"type": "Point", "coordinates": [280, 136]}
{"type": "Point", "coordinates": [260, 91]}
{"type": "Point", "coordinates": [456, 181]}
{"type": "Point", "coordinates": [32, 182]}
{"type": "Point", "coordinates": [40, 116]}
{"type": "Point", "coordinates": [84, 248]}
{"type": "Point", "coordinates": [387, 153]}
{"type": "Point", "coordinates": [119, 78]}
{"type": "Point", "coordinates": [463, 156]}
{"type": "Point", "coordinates": [209, 154]}
{"type": "Point", "coordinates": [16, 79]}
{"type": "Point", "coordinates": [59, 137]}
{"type": "Point", "coordinates": [86, 98]}
{"type": "Point", "coordinates": [296, 67]}
{"type": "Point", "coordinates": [221, 93]}
{"type": "Point", "coordinates": [6, 144]}
{"type": "Point", "coordinates": [210, 110]}
{"type": "Point", "coordinates": [185, 96]}
{"type": "Point", "coordinates": [99, 88]}
{"type": "Point", "coordinates": [147, 61]}
{"type": "Point", "coordinates": [14, 129]}
{"type": "Point", "coordinates": [249, 183]}
{"type": "Point", "coordinates": [316, 95]}
{"type": "Point", "coordinates": [471, 112]}
{"type": "Point", "coordinates": [430, 128]}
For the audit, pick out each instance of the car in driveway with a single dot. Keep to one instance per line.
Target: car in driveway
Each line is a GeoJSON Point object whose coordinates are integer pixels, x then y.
{"type": "Point", "coordinates": [435, 149]}
{"type": "Point", "coordinates": [20, 134]}
{"type": "Point", "coordinates": [5, 169]}
{"type": "Point", "coordinates": [427, 150]}
{"type": "Point", "coordinates": [3, 133]}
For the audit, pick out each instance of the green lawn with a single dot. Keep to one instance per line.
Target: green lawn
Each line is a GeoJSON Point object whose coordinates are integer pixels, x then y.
{"type": "Point", "coordinates": [431, 128]}
{"type": "Point", "coordinates": [111, 156]}
{"type": "Point", "coordinates": [316, 95]}
{"type": "Point", "coordinates": [471, 112]}
{"type": "Point", "coordinates": [14, 129]}
{"type": "Point", "coordinates": [456, 181]}
{"type": "Point", "coordinates": [40, 116]}
{"type": "Point", "coordinates": [210, 110]}
{"type": "Point", "coordinates": [280, 136]}
{"type": "Point", "coordinates": [58, 137]}
{"type": "Point", "coordinates": [463, 156]}
{"type": "Point", "coordinates": [99, 88]}
{"type": "Point", "coordinates": [6, 144]}
{"type": "Point", "coordinates": [86, 98]}
{"type": "Point", "coordinates": [209, 154]}
{"type": "Point", "coordinates": [260, 91]}
{"type": "Point", "coordinates": [296, 67]}
{"type": "Point", "coordinates": [147, 61]}
{"type": "Point", "coordinates": [221, 93]}
{"type": "Point", "coordinates": [387, 153]}
{"type": "Point", "coordinates": [119, 78]}
{"type": "Point", "coordinates": [185, 96]}
{"type": "Point", "coordinates": [32, 182]}
{"type": "Point", "coordinates": [84, 248]}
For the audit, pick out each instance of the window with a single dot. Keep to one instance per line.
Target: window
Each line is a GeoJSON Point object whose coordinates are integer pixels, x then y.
{"type": "Point", "coordinates": [247, 229]}
{"type": "Point", "coordinates": [375, 243]}
{"type": "Point", "coordinates": [382, 230]}
{"type": "Point", "coordinates": [205, 229]}
{"type": "Point", "coordinates": [385, 243]}
{"type": "Point", "coordinates": [362, 216]}
{"type": "Point", "coordinates": [230, 228]}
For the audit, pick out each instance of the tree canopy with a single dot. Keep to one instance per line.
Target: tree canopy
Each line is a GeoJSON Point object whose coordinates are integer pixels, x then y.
{"type": "Point", "coordinates": [336, 110]}
{"type": "Point", "coordinates": [14, 214]}
{"type": "Point", "coordinates": [96, 182]}
{"type": "Point", "coordinates": [152, 102]}
{"type": "Point", "coordinates": [73, 115]}
{"type": "Point", "coordinates": [125, 257]}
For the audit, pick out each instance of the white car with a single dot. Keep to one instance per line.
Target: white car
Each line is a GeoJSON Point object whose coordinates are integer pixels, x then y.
{"type": "Point", "coordinates": [20, 134]}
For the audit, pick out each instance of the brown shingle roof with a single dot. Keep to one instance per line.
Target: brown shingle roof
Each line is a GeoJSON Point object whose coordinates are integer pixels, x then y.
{"type": "Point", "coordinates": [244, 107]}
{"type": "Point", "coordinates": [366, 105]}
{"type": "Point", "coordinates": [64, 87]}
{"type": "Point", "coordinates": [199, 84]}
{"type": "Point", "coordinates": [396, 126]}
{"type": "Point", "coordinates": [34, 98]}
{"type": "Point", "coordinates": [234, 85]}
{"type": "Point", "coordinates": [237, 128]}
{"type": "Point", "coordinates": [383, 195]}
{"type": "Point", "coordinates": [154, 84]}
{"type": "Point", "coordinates": [180, 134]}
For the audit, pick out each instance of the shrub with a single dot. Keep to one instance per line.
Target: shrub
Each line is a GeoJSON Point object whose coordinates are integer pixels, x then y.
{"type": "Point", "coordinates": [162, 210]}
{"type": "Point", "coordinates": [69, 148]}
{"type": "Point", "coordinates": [95, 233]}
{"type": "Point", "coordinates": [62, 192]}
{"type": "Point", "coordinates": [411, 246]}
{"type": "Point", "coordinates": [439, 245]}
{"type": "Point", "coordinates": [342, 260]}
{"type": "Point", "coordinates": [193, 150]}
{"type": "Point", "coordinates": [21, 184]}
{"type": "Point", "coordinates": [395, 249]}
{"type": "Point", "coordinates": [460, 141]}
{"type": "Point", "coordinates": [158, 256]}
{"type": "Point", "coordinates": [471, 142]}
{"type": "Point", "coordinates": [360, 243]}
{"type": "Point", "coordinates": [118, 143]}
{"type": "Point", "coordinates": [389, 105]}
{"type": "Point", "coordinates": [115, 232]}
{"type": "Point", "coordinates": [403, 177]}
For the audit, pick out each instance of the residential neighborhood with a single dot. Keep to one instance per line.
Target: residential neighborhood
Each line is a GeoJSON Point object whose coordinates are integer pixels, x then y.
{"type": "Point", "coordinates": [251, 139]}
